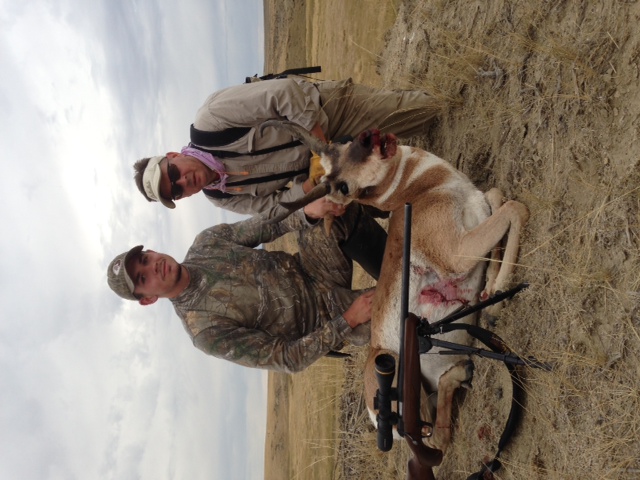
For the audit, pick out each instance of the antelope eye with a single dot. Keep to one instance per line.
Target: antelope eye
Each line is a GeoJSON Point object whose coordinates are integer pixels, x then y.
{"type": "Point", "coordinates": [344, 188]}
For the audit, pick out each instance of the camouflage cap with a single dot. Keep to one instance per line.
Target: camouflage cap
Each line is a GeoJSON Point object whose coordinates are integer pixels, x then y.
{"type": "Point", "coordinates": [118, 277]}
{"type": "Point", "coordinates": [151, 181]}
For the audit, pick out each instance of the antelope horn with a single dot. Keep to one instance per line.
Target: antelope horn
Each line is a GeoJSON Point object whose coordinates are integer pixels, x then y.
{"type": "Point", "coordinates": [317, 192]}
{"type": "Point", "coordinates": [299, 133]}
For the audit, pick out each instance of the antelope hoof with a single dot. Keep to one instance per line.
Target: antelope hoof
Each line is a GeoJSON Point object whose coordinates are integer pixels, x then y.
{"type": "Point", "coordinates": [462, 373]}
{"type": "Point", "coordinates": [360, 336]}
{"type": "Point", "coordinates": [469, 368]}
{"type": "Point", "coordinates": [489, 319]}
{"type": "Point", "coordinates": [328, 223]}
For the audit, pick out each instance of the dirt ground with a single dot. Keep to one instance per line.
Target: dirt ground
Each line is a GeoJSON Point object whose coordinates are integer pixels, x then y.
{"type": "Point", "coordinates": [544, 103]}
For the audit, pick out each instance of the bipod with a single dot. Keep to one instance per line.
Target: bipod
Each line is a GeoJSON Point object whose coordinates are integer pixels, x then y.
{"type": "Point", "coordinates": [499, 350]}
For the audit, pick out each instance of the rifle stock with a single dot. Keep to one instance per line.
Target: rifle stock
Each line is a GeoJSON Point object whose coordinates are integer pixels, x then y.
{"type": "Point", "coordinates": [424, 458]}
{"type": "Point", "coordinates": [416, 471]}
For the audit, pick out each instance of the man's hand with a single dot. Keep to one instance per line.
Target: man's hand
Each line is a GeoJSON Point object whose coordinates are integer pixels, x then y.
{"type": "Point", "coordinates": [322, 207]}
{"type": "Point", "coordinates": [360, 310]}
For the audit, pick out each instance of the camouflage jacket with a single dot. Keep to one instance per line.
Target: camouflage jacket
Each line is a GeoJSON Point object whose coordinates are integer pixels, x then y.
{"type": "Point", "coordinates": [259, 308]}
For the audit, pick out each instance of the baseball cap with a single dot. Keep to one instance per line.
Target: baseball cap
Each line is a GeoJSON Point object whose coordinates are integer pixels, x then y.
{"type": "Point", "coordinates": [118, 277]}
{"type": "Point", "coordinates": [151, 181]}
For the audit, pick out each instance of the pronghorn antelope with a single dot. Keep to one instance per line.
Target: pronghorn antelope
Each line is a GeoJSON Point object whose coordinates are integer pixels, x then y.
{"type": "Point", "coordinates": [454, 227]}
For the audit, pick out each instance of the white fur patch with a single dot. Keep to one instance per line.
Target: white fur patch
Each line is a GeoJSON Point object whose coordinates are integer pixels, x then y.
{"type": "Point", "coordinates": [326, 165]}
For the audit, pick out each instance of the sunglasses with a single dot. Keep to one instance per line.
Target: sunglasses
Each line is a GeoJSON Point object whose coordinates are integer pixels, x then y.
{"type": "Point", "coordinates": [174, 176]}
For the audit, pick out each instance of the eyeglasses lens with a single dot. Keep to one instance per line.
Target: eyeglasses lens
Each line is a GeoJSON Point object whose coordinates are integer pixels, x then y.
{"type": "Point", "coordinates": [174, 176]}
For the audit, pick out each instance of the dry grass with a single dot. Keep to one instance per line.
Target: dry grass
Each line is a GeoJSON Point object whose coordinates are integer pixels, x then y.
{"type": "Point", "coordinates": [559, 131]}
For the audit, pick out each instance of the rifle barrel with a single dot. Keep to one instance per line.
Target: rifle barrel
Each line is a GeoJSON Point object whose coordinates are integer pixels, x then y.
{"type": "Point", "coordinates": [404, 302]}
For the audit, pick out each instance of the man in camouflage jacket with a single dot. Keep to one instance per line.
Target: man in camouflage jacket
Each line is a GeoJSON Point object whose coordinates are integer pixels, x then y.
{"type": "Point", "coordinates": [251, 306]}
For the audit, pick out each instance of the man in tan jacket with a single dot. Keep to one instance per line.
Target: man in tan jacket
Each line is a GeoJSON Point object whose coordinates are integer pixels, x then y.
{"type": "Point", "coordinates": [250, 169]}
{"type": "Point", "coordinates": [246, 170]}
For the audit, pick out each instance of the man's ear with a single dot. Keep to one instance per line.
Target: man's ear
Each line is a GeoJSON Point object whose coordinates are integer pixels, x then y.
{"type": "Point", "coordinates": [148, 300]}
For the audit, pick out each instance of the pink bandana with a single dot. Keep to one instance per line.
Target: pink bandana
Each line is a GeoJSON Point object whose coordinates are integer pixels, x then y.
{"type": "Point", "coordinates": [213, 164]}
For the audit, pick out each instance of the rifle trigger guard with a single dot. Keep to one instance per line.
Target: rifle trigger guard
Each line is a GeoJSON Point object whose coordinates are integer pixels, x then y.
{"type": "Point", "coordinates": [426, 430]}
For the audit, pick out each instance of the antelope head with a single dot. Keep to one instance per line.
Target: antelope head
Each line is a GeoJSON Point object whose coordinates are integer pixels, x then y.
{"type": "Point", "coordinates": [352, 171]}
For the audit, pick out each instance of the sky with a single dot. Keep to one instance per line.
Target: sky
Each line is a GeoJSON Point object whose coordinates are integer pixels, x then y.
{"type": "Point", "coordinates": [93, 386]}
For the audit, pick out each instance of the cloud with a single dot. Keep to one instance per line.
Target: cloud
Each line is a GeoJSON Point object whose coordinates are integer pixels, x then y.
{"type": "Point", "coordinates": [95, 387]}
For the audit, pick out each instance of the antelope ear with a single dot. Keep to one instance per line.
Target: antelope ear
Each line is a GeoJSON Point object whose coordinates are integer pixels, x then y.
{"type": "Point", "coordinates": [390, 146]}
{"type": "Point", "coordinates": [287, 208]}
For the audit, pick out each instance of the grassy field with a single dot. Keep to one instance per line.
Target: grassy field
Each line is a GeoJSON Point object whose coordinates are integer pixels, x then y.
{"type": "Point", "coordinates": [305, 410]}
{"type": "Point", "coordinates": [558, 130]}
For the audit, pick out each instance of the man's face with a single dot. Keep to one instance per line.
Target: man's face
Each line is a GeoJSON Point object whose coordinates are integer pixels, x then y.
{"type": "Point", "coordinates": [155, 275]}
{"type": "Point", "coordinates": [190, 176]}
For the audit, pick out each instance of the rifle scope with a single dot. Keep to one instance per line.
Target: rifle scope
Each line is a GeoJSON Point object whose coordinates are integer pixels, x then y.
{"type": "Point", "coordinates": [386, 418]}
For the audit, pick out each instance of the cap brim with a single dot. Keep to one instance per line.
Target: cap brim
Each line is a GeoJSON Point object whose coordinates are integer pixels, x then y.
{"type": "Point", "coordinates": [151, 181]}
{"type": "Point", "coordinates": [118, 276]}
{"type": "Point", "coordinates": [134, 251]}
